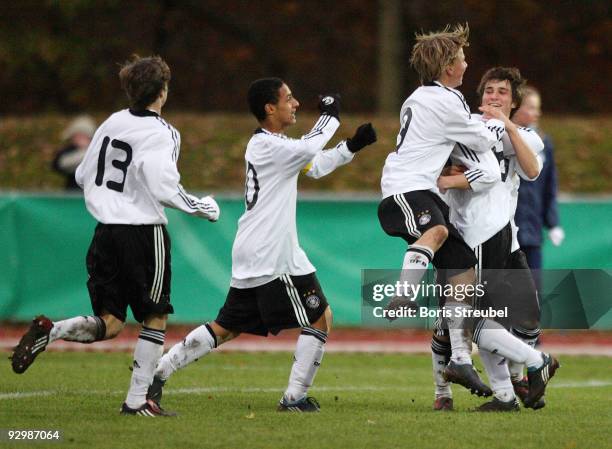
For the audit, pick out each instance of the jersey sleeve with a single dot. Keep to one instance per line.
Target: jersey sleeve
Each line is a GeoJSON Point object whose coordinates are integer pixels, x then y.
{"type": "Point", "coordinates": [533, 141]}
{"type": "Point", "coordinates": [163, 180]}
{"type": "Point", "coordinates": [326, 161]}
{"type": "Point", "coordinates": [531, 138]}
{"type": "Point", "coordinates": [472, 132]}
{"type": "Point", "coordinates": [294, 154]}
{"type": "Point", "coordinates": [482, 169]}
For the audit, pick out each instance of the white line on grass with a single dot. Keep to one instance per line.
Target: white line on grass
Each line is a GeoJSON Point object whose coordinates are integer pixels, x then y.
{"type": "Point", "coordinates": [27, 394]}
{"type": "Point", "coordinates": [208, 390]}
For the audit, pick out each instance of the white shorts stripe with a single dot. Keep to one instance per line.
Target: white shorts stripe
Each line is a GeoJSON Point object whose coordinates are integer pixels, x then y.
{"type": "Point", "coordinates": [298, 308]}
{"type": "Point", "coordinates": [478, 253]}
{"type": "Point", "coordinates": [408, 216]}
{"type": "Point", "coordinates": [298, 303]}
{"type": "Point", "coordinates": [158, 265]}
{"type": "Point", "coordinates": [160, 256]}
{"type": "Point", "coordinates": [298, 316]}
{"type": "Point", "coordinates": [154, 283]}
{"type": "Point", "coordinates": [162, 263]}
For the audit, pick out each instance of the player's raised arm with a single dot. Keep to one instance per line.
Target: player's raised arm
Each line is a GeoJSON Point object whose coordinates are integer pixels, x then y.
{"type": "Point", "coordinates": [327, 161]}
{"type": "Point", "coordinates": [163, 180]}
{"type": "Point", "coordinates": [525, 145]}
{"type": "Point", "coordinates": [299, 152]}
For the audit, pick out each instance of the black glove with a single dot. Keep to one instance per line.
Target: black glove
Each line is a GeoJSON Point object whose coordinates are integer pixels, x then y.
{"type": "Point", "coordinates": [364, 136]}
{"type": "Point", "coordinates": [330, 105]}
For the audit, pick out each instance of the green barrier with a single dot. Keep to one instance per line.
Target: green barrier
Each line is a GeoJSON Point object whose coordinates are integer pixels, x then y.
{"type": "Point", "coordinates": [45, 240]}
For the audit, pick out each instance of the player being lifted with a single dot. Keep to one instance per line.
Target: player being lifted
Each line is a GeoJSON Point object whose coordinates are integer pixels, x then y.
{"type": "Point", "coordinates": [273, 284]}
{"type": "Point", "coordinates": [433, 118]}
{"type": "Point", "coordinates": [128, 175]}
{"type": "Point", "coordinates": [482, 192]}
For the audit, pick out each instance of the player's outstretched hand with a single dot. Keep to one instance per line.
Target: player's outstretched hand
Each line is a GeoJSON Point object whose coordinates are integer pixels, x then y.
{"type": "Point", "coordinates": [211, 208]}
{"type": "Point", "coordinates": [364, 136]}
{"type": "Point", "coordinates": [330, 105]}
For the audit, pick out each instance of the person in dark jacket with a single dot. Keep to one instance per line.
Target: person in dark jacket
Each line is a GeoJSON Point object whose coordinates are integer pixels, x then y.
{"type": "Point", "coordinates": [76, 139]}
{"type": "Point", "coordinates": [537, 200]}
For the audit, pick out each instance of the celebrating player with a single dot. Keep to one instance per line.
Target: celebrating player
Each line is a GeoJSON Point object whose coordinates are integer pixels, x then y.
{"type": "Point", "coordinates": [273, 284]}
{"type": "Point", "coordinates": [482, 205]}
{"type": "Point", "coordinates": [129, 175]}
{"type": "Point", "coordinates": [433, 118]}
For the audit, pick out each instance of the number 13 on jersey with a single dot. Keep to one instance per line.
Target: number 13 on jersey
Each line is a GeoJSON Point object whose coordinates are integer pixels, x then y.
{"type": "Point", "coordinates": [119, 164]}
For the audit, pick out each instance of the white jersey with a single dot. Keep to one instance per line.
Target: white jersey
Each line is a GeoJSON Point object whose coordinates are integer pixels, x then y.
{"type": "Point", "coordinates": [432, 120]}
{"type": "Point", "coordinates": [266, 244]}
{"type": "Point", "coordinates": [537, 145]}
{"type": "Point", "coordinates": [129, 171]}
{"type": "Point", "coordinates": [490, 204]}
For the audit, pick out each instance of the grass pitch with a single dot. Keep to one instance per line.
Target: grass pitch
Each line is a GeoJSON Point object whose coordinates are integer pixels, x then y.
{"type": "Point", "coordinates": [228, 401]}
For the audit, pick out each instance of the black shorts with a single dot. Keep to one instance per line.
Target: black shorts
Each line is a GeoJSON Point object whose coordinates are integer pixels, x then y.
{"type": "Point", "coordinates": [526, 304]}
{"type": "Point", "coordinates": [129, 265]}
{"type": "Point", "coordinates": [492, 257]}
{"type": "Point", "coordinates": [409, 215]}
{"type": "Point", "coordinates": [509, 282]}
{"type": "Point", "coordinates": [284, 303]}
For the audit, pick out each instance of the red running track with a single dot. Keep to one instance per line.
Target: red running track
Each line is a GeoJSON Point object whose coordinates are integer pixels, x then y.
{"type": "Point", "coordinates": [341, 340]}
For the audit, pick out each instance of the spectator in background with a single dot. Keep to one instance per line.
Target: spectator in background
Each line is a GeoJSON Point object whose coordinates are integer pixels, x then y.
{"type": "Point", "coordinates": [537, 200]}
{"type": "Point", "coordinates": [76, 136]}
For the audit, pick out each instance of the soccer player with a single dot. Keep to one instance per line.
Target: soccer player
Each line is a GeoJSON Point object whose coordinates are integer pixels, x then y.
{"type": "Point", "coordinates": [273, 285]}
{"type": "Point", "coordinates": [128, 175]}
{"type": "Point", "coordinates": [482, 207]}
{"type": "Point", "coordinates": [433, 118]}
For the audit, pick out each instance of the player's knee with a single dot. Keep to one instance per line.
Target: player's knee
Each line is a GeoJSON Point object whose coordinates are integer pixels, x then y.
{"type": "Point", "coordinates": [156, 321]}
{"type": "Point", "coordinates": [439, 233]}
{"type": "Point", "coordinates": [329, 318]}
{"type": "Point", "coordinates": [529, 324]}
{"type": "Point", "coordinates": [324, 323]}
{"type": "Point", "coordinates": [114, 326]}
{"type": "Point", "coordinates": [222, 335]}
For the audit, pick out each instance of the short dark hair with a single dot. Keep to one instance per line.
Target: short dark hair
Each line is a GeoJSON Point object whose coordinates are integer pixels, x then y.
{"type": "Point", "coordinates": [510, 74]}
{"type": "Point", "coordinates": [262, 92]}
{"type": "Point", "coordinates": [143, 79]}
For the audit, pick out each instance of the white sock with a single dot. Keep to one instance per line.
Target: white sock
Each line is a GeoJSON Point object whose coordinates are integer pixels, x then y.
{"type": "Point", "coordinates": [459, 331]}
{"type": "Point", "coordinates": [306, 361]}
{"type": "Point", "coordinates": [197, 344]}
{"type": "Point", "coordinates": [493, 337]}
{"type": "Point", "coordinates": [528, 336]}
{"type": "Point", "coordinates": [149, 349]}
{"type": "Point", "coordinates": [499, 376]}
{"type": "Point", "coordinates": [85, 329]}
{"type": "Point", "coordinates": [415, 264]}
{"type": "Point", "coordinates": [440, 355]}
